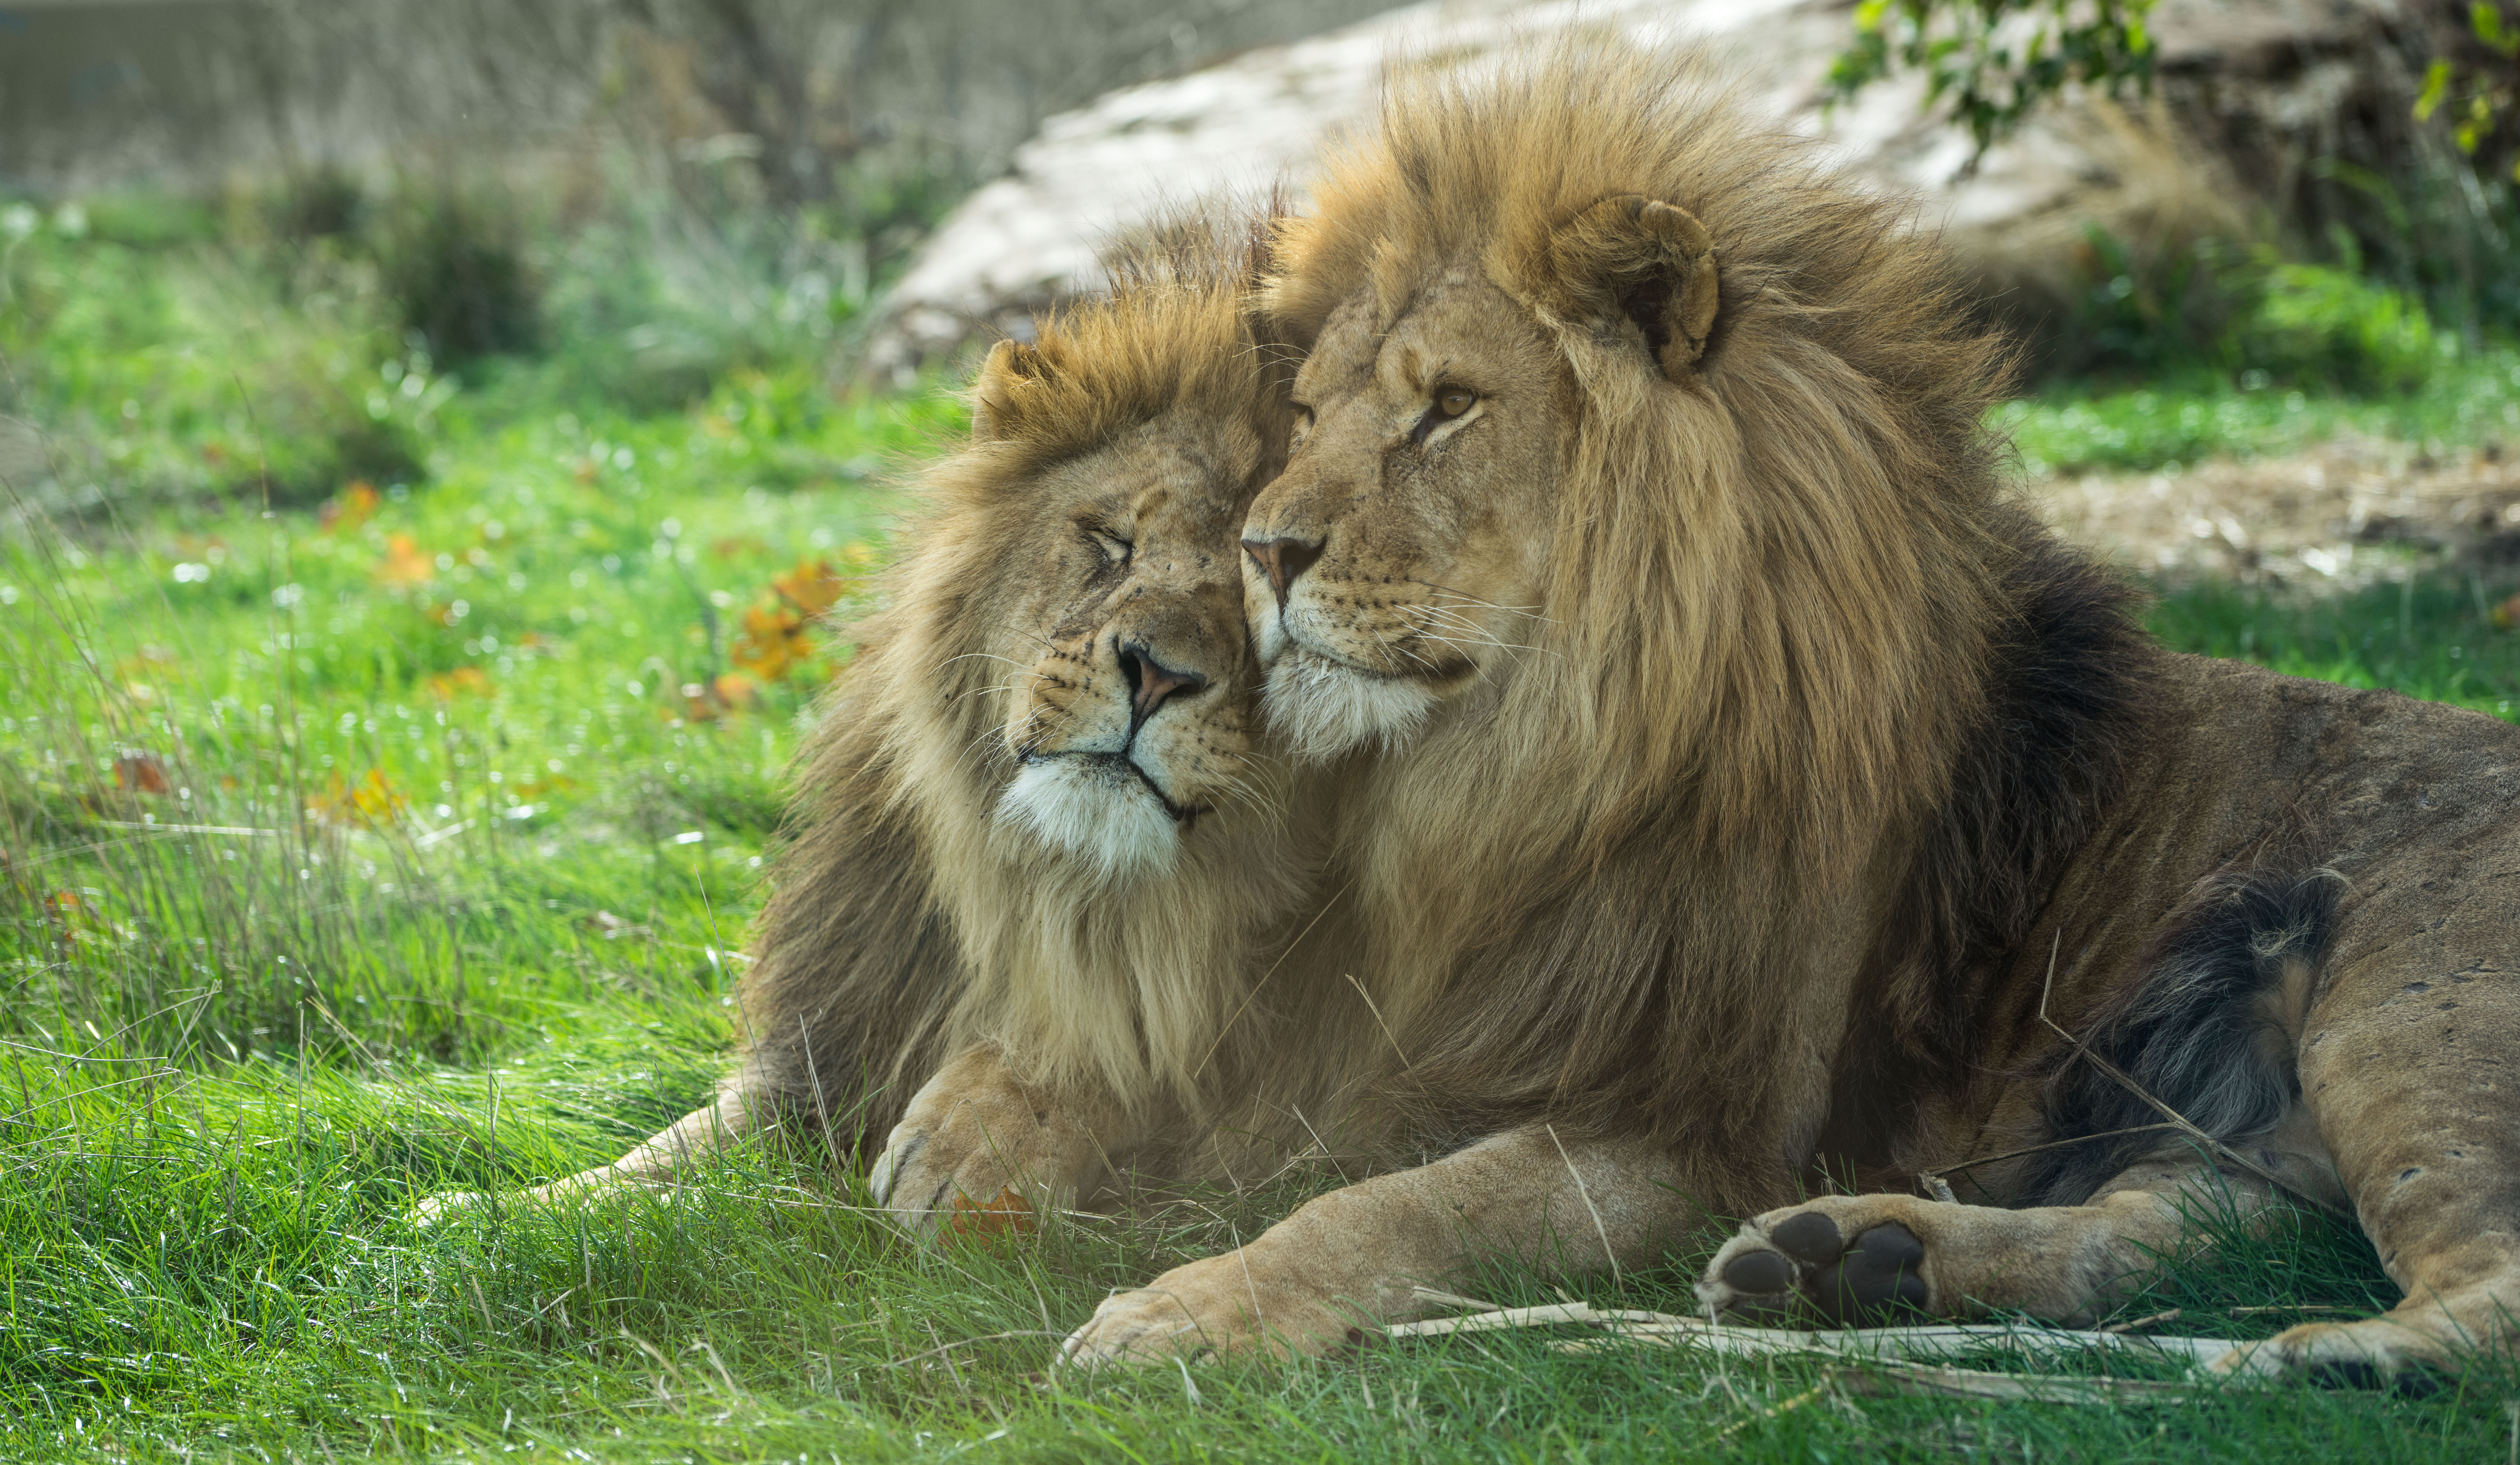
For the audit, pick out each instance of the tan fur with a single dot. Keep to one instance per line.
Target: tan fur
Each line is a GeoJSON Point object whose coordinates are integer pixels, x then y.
{"type": "Point", "coordinates": [1756, 792]}
{"type": "Point", "coordinates": [1657, 593]}
{"type": "Point", "coordinates": [1652, 695]}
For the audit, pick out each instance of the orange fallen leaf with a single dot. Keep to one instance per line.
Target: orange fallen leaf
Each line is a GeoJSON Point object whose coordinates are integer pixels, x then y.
{"type": "Point", "coordinates": [2505, 615]}
{"type": "Point", "coordinates": [372, 800]}
{"type": "Point", "coordinates": [812, 587]}
{"type": "Point", "coordinates": [141, 772]}
{"type": "Point", "coordinates": [405, 562]}
{"type": "Point", "coordinates": [736, 690]}
{"type": "Point", "coordinates": [772, 640]}
{"type": "Point", "coordinates": [463, 680]}
{"type": "Point", "coordinates": [69, 915]}
{"type": "Point", "coordinates": [348, 510]}
{"type": "Point", "coordinates": [1009, 1215]}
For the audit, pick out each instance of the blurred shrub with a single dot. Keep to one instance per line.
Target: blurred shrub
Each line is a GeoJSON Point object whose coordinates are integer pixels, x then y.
{"type": "Point", "coordinates": [2134, 311]}
{"type": "Point", "coordinates": [2436, 229]}
{"type": "Point", "coordinates": [451, 258]}
{"type": "Point", "coordinates": [2208, 307]}
{"type": "Point", "coordinates": [2316, 324]}
{"type": "Point", "coordinates": [167, 368]}
{"type": "Point", "coordinates": [321, 202]}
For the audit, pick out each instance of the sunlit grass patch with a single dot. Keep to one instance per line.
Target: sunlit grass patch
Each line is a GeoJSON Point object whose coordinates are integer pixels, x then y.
{"type": "Point", "coordinates": [2430, 634]}
{"type": "Point", "coordinates": [2470, 400]}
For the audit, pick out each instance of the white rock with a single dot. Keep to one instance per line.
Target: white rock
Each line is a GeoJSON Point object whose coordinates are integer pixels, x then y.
{"type": "Point", "coordinates": [1259, 118]}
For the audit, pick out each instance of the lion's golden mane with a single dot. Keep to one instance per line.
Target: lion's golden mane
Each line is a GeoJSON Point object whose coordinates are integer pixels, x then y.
{"type": "Point", "coordinates": [907, 922]}
{"type": "Point", "coordinates": [1802, 677]}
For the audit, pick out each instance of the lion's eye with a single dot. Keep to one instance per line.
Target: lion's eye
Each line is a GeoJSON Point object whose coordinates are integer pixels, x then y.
{"type": "Point", "coordinates": [1451, 402]}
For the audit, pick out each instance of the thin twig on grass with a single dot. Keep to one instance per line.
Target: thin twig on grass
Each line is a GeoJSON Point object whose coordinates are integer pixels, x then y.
{"type": "Point", "coordinates": [1627, 1326]}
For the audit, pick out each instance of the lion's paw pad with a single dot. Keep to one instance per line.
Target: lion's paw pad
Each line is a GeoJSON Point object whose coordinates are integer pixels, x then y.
{"type": "Point", "coordinates": [1873, 1280]}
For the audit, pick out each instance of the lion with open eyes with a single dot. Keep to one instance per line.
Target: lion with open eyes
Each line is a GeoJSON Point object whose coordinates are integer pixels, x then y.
{"type": "Point", "coordinates": [1043, 865]}
{"type": "Point", "coordinates": [1761, 800]}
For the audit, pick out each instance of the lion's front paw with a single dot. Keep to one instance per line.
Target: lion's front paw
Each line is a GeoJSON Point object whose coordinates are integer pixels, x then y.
{"type": "Point", "coordinates": [976, 1154]}
{"type": "Point", "coordinates": [2372, 1351]}
{"type": "Point", "coordinates": [1221, 1304]}
{"type": "Point", "coordinates": [1853, 1261]}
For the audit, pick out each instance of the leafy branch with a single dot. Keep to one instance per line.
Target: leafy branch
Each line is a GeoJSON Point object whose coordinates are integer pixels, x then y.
{"type": "Point", "coordinates": [2472, 89]}
{"type": "Point", "coordinates": [1996, 61]}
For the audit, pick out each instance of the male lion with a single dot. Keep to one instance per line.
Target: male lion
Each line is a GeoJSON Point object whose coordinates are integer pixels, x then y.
{"type": "Point", "coordinates": [1758, 784]}
{"type": "Point", "coordinates": [1042, 862]}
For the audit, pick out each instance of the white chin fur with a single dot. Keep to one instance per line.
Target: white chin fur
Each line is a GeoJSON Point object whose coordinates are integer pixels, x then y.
{"type": "Point", "coordinates": [1324, 709]}
{"type": "Point", "coordinates": [1093, 812]}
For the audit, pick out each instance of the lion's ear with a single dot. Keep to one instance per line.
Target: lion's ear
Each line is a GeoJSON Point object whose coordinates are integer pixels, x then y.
{"type": "Point", "coordinates": [998, 391]}
{"type": "Point", "coordinates": [1647, 260]}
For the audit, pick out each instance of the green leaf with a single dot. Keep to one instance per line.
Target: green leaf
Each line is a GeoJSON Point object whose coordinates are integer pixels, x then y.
{"type": "Point", "coordinates": [2487, 21]}
{"type": "Point", "coordinates": [2436, 87]}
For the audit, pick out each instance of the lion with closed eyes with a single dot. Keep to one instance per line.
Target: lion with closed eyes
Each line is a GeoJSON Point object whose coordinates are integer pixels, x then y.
{"type": "Point", "coordinates": [1043, 863]}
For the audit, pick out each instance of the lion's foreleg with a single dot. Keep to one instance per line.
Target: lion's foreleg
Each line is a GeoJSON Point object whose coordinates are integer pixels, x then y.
{"type": "Point", "coordinates": [737, 1113]}
{"type": "Point", "coordinates": [1351, 1259]}
{"type": "Point", "coordinates": [980, 1149]}
{"type": "Point", "coordinates": [1862, 1259]}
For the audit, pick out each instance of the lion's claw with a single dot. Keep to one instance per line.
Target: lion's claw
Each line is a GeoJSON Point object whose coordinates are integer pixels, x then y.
{"type": "Point", "coordinates": [975, 1153]}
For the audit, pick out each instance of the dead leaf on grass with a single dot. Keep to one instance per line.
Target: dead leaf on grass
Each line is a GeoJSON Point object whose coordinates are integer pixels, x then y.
{"type": "Point", "coordinates": [348, 510]}
{"type": "Point", "coordinates": [405, 562]}
{"type": "Point", "coordinates": [464, 681]}
{"type": "Point", "coordinates": [141, 772]}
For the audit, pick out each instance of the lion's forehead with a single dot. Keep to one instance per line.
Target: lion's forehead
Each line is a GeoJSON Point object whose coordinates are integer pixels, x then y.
{"type": "Point", "coordinates": [1342, 357]}
{"type": "Point", "coordinates": [1189, 489]}
{"type": "Point", "coordinates": [1453, 321]}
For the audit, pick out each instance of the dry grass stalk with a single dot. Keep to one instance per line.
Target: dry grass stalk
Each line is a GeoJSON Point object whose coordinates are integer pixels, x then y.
{"type": "Point", "coordinates": [1667, 1330]}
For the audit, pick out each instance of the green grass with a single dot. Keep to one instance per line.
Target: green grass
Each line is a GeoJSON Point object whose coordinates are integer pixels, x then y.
{"type": "Point", "coordinates": [2470, 400]}
{"type": "Point", "coordinates": [319, 893]}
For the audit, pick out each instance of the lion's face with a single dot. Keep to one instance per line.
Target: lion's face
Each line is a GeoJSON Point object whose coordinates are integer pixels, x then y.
{"type": "Point", "coordinates": [1400, 557]}
{"type": "Point", "coordinates": [1127, 712]}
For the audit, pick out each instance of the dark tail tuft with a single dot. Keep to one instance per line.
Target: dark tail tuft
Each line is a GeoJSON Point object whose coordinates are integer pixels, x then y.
{"type": "Point", "coordinates": [2205, 1032]}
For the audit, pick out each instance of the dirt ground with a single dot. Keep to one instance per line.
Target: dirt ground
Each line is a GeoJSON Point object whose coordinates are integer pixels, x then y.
{"type": "Point", "coordinates": [2344, 514]}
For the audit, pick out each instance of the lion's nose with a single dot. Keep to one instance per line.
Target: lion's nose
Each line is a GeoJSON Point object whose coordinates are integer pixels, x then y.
{"type": "Point", "coordinates": [1150, 682]}
{"type": "Point", "coordinates": [1282, 559]}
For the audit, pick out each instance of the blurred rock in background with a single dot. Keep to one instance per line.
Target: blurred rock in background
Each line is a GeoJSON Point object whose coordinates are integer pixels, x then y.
{"type": "Point", "coordinates": [2279, 93]}
{"type": "Point", "coordinates": [773, 159]}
